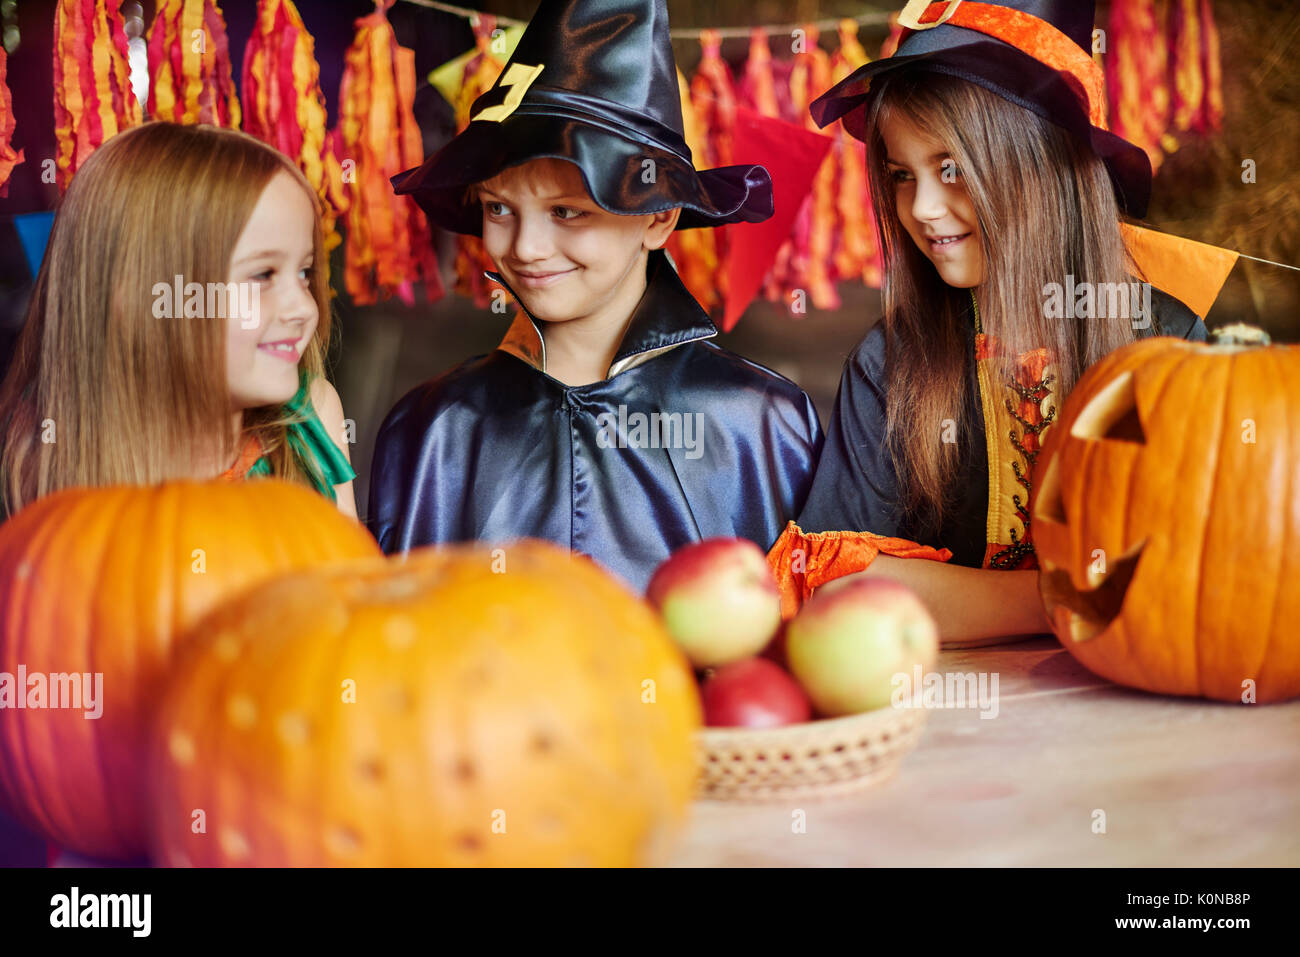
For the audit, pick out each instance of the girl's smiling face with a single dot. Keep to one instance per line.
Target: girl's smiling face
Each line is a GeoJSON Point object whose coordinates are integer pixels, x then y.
{"type": "Point", "coordinates": [563, 255]}
{"type": "Point", "coordinates": [933, 204]}
{"type": "Point", "coordinates": [274, 256]}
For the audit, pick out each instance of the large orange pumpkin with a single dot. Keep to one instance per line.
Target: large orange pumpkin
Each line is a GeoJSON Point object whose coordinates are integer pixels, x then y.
{"type": "Point", "coordinates": [1166, 518]}
{"type": "Point", "coordinates": [101, 581]}
{"type": "Point", "coordinates": [428, 712]}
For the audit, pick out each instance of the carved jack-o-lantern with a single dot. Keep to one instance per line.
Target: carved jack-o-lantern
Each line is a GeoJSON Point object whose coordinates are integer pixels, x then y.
{"type": "Point", "coordinates": [1166, 519]}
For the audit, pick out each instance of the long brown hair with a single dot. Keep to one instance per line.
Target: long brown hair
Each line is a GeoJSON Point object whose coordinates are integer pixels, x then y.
{"type": "Point", "coordinates": [1046, 208]}
{"type": "Point", "coordinates": [100, 392]}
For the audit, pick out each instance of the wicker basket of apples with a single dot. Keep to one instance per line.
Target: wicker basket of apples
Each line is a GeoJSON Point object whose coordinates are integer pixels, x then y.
{"type": "Point", "coordinates": [807, 707]}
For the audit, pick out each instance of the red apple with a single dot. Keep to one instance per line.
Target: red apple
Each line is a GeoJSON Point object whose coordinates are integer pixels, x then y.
{"type": "Point", "coordinates": [718, 599]}
{"type": "Point", "coordinates": [846, 645]}
{"type": "Point", "coordinates": [753, 693]}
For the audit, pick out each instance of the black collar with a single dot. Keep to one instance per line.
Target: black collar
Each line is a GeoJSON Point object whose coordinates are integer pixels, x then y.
{"type": "Point", "coordinates": [666, 317]}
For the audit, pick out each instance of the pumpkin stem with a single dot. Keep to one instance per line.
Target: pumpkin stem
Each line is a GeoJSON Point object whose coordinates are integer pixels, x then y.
{"type": "Point", "coordinates": [1239, 334]}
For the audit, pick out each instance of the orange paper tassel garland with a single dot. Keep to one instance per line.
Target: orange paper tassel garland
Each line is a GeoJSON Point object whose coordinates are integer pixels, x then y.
{"type": "Point", "coordinates": [8, 157]}
{"type": "Point", "coordinates": [284, 103]}
{"type": "Point", "coordinates": [93, 99]}
{"type": "Point", "coordinates": [388, 245]}
{"type": "Point", "coordinates": [189, 65]}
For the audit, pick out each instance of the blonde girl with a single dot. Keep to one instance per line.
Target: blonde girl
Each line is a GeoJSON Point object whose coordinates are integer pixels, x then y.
{"type": "Point", "coordinates": [118, 379]}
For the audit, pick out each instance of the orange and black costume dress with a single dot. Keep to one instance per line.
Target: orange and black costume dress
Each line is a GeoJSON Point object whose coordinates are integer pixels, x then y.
{"type": "Point", "coordinates": [853, 511]}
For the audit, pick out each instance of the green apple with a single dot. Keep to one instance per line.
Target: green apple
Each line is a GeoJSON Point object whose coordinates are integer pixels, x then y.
{"type": "Point", "coordinates": [847, 643]}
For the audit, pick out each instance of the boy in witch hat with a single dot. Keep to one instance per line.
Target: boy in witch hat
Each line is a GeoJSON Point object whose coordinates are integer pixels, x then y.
{"type": "Point", "coordinates": [605, 420]}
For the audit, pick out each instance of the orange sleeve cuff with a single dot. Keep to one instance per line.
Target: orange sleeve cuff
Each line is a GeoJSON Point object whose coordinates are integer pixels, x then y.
{"type": "Point", "coordinates": [804, 561]}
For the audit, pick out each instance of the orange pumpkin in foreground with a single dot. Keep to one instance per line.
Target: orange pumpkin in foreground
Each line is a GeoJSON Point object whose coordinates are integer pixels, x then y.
{"type": "Point", "coordinates": [102, 581]}
{"type": "Point", "coordinates": [462, 707]}
{"type": "Point", "coordinates": [1166, 518]}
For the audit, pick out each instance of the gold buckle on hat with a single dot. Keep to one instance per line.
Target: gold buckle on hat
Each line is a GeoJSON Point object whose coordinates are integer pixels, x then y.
{"type": "Point", "coordinates": [910, 18]}
{"type": "Point", "coordinates": [515, 82]}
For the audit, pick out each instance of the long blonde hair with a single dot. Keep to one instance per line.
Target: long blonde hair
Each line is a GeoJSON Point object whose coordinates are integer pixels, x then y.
{"type": "Point", "coordinates": [100, 392]}
{"type": "Point", "coordinates": [1046, 208]}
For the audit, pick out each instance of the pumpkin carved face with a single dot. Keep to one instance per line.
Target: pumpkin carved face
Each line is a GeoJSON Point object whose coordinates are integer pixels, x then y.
{"type": "Point", "coordinates": [1166, 519]}
{"type": "Point", "coordinates": [96, 587]}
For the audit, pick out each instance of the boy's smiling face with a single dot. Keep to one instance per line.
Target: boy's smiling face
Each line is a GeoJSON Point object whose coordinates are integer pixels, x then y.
{"type": "Point", "coordinates": [565, 257]}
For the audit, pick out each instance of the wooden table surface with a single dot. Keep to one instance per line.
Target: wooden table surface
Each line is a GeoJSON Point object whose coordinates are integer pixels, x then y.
{"type": "Point", "coordinates": [1178, 782]}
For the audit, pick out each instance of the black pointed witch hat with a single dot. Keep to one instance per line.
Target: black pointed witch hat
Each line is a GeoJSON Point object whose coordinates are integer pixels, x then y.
{"type": "Point", "coordinates": [1035, 53]}
{"type": "Point", "coordinates": [593, 82]}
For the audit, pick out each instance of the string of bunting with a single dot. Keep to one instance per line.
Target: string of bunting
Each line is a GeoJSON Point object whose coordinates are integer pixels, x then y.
{"type": "Point", "coordinates": [823, 232]}
{"type": "Point", "coordinates": [874, 18]}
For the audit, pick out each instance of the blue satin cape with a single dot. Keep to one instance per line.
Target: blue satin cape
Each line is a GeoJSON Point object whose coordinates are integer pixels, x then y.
{"type": "Point", "coordinates": [495, 449]}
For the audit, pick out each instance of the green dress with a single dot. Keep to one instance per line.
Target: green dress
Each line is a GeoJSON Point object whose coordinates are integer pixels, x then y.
{"type": "Point", "coordinates": [327, 465]}
{"type": "Point", "coordinates": [313, 445]}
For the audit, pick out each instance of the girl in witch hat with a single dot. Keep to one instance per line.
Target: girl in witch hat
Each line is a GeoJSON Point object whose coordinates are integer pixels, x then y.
{"type": "Point", "coordinates": [605, 421]}
{"type": "Point", "coordinates": [1000, 194]}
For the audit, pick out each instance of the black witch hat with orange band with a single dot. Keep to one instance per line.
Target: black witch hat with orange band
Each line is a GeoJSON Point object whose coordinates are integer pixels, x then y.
{"type": "Point", "coordinates": [1034, 53]}
{"type": "Point", "coordinates": [592, 82]}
